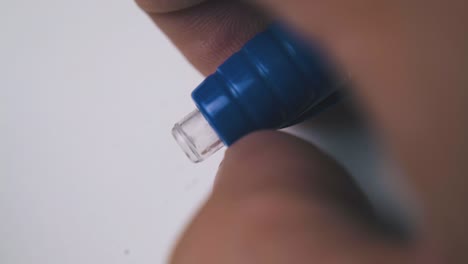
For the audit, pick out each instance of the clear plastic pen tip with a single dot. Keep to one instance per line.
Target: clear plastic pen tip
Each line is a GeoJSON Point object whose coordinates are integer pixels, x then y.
{"type": "Point", "coordinates": [196, 137]}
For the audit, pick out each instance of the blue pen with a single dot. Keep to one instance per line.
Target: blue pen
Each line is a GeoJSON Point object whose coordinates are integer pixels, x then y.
{"type": "Point", "coordinates": [274, 81]}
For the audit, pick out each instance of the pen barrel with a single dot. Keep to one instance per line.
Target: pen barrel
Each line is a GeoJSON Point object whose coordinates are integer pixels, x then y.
{"type": "Point", "coordinates": [273, 80]}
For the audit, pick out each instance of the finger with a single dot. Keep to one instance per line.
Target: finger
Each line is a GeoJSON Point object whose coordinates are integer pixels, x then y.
{"type": "Point", "coordinates": [274, 161]}
{"type": "Point", "coordinates": [207, 32]}
{"type": "Point", "coordinates": [280, 200]}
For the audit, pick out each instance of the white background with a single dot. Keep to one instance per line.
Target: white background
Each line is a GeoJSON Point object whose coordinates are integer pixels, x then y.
{"type": "Point", "coordinates": [89, 172]}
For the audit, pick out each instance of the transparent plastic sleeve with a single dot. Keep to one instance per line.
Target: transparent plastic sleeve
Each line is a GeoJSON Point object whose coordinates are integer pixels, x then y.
{"type": "Point", "coordinates": [196, 137]}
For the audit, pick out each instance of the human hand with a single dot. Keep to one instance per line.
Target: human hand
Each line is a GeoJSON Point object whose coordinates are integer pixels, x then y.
{"type": "Point", "coordinates": [280, 200]}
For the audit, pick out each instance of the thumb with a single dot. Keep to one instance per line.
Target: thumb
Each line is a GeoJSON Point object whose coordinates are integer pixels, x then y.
{"type": "Point", "coordinates": [278, 199]}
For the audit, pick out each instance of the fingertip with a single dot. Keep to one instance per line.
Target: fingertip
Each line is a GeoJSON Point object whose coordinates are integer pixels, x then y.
{"type": "Point", "coordinates": [209, 32]}
{"type": "Point", "coordinates": [166, 6]}
{"type": "Point", "coordinates": [271, 161]}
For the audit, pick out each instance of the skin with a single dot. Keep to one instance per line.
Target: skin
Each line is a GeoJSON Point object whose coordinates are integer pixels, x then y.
{"type": "Point", "coordinates": [278, 199]}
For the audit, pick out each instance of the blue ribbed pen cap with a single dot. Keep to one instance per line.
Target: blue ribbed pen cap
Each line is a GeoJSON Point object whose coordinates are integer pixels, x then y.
{"type": "Point", "coordinates": [272, 81]}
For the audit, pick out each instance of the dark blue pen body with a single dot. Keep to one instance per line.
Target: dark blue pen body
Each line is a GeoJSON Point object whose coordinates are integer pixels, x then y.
{"type": "Point", "coordinates": [275, 80]}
